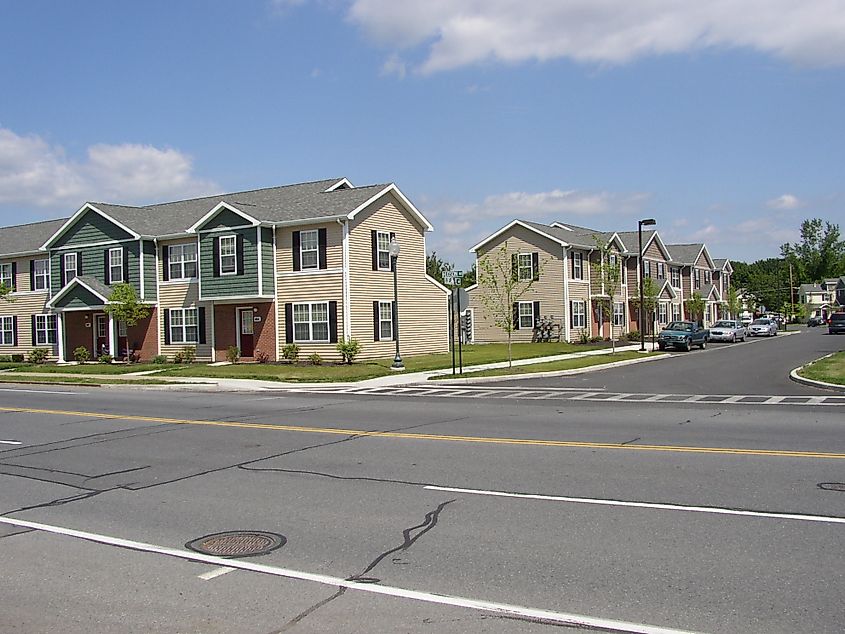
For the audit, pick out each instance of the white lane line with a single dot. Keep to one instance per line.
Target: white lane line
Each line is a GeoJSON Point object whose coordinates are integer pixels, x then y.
{"type": "Point", "coordinates": [5, 389]}
{"type": "Point", "coordinates": [213, 574]}
{"type": "Point", "coordinates": [715, 510]}
{"type": "Point", "coordinates": [10, 442]}
{"type": "Point", "coordinates": [428, 597]}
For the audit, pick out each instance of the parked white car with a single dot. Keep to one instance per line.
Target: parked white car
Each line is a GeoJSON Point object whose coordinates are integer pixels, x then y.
{"type": "Point", "coordinates": [728, 330]}
{"type": "Point", "coordinates": [763, 327]}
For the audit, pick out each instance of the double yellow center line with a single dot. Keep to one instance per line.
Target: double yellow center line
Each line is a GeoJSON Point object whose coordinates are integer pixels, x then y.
{"type": "Point", "coordinates": [441, 437]}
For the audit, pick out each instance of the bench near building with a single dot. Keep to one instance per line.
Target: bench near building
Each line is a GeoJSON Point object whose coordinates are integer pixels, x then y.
{"type": "Point", "coordinates": [305, 263]}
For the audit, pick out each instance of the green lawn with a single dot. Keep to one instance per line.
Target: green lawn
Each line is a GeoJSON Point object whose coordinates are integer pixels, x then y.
{"type": "Point", "coordinates": [566, 364]}
{"type": "Point", "coordinates": [79, 380]}
{"type": "Point", "coordinates": [830, 369]}
{"type": "Point", "coordinates": [93, 368]}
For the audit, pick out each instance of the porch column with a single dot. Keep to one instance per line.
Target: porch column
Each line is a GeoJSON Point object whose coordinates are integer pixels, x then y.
{"type": "Point", "coordinates": [60, 335]}
{"type": "Point", "coordinates": [112, 343]}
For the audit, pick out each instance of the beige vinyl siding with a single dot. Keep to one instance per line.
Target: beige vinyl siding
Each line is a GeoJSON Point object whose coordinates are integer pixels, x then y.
{"type": "Point", "coordinates": [423, 316]}
{"type": "Point", "coordinates": [25, 305]}
{"type": "Point", "coordinates": [284, 246]}
{"type": "Point", "coordinates": [548, 290]}
{"type": "Point", "coordinates": [183, 295]}
{"type": "Point", "coordinates": [316, 288]}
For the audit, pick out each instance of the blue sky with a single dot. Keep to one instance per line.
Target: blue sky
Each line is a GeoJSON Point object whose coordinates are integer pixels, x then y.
{"type": "Point", "coordinates": [724, 121]}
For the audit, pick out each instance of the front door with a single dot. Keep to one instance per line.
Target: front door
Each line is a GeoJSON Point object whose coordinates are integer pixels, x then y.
{"type": "Point", "coordinates": [102, 335]}
{"type": "Point", "coordinates": [247, 342]}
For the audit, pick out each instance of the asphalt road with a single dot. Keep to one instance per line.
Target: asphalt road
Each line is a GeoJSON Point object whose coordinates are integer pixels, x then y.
{"type": "Point", "coordinates": [694, 516]}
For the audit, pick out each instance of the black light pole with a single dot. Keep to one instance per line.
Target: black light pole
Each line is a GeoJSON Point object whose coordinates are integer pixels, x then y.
{"type": "Point", "coordinates": [646, 222]}
{"type": "Point", "coordinates": [393, 250]}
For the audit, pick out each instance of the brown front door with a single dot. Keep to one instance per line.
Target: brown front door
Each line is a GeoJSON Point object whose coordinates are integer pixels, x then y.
{"type": "Point", "coordinates": [245, 321]}
{"type": "Point", "coordinates": [102, 335]}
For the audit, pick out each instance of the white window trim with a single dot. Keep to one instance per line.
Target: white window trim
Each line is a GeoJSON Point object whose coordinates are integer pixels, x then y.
{"type": "Point", "coordinates": [112, 266]}
{"type": "Point", "coordinates": [182, 261]}
{"type": "Point", "coordinates": [45, 276]}
{"type": "Point", "coordinates": [379, 250]}
{"type": "Point", "coordinates": [577, 266]}
{"type": "Point", "coordinates": [75, 268]}
{"type": "Point", "coordinates": [382, 320]}
{"type": "Point", "coordinates": [520, 267]}
{"type": "Point", "coordinates": [221, 256]}
{"type": "Point", "coordinates": [646, 268]}
{"type": "Point", "coordinates": [620, 316]}
{"type": "Point", "coordinates": [579, 316]}
{"type": "Point", "coordinates": [311, 322]}
{"type": "Point", "coordinates": [675, 276]}
{"type": "Point", "coordinates": [662, 313]}
{"type": "Point", "coordinates": [315, 250]}
{"type": "Point", "coordinates": [521, 315]}
{"type": "Point", "coordinates": [10, 330]}
{"type": "Point", "coordinates": [3, 278]}
{"type": "Point", "coordinates": [184, 326]}
{"type": "Point", "coordinates": [44, 328]}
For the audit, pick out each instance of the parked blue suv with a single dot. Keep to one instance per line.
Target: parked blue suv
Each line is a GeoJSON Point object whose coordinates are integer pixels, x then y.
{"type": "Point", "coordinates": [836, 324]}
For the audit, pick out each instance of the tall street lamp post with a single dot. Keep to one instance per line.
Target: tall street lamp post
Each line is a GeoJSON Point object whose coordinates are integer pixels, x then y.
{"type": "Point", "coordinates": [393, 250]}
{"type": "Point", "coordinates": [646, 222]}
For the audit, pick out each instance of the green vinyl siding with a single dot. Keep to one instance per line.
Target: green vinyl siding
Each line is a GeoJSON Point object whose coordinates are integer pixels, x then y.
{"type": "Point", "coordinates": [150, 276]}
{"type": "Point", "coordinates": [79, 297]}
{"type": "Point", "coordinates": [93, 263]}
{"type": "Point", "coordinates": [223, 220]}
{"type": "Point", "coordinates": [229, 285]}
{"type": "Point", "coordinates": [267, 260]}
{"type": "Point", "coordinates": [91, 227]}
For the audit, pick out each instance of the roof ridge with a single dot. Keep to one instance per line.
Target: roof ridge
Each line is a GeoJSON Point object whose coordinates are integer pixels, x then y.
{"type": "Point", "coordinates": [38, 222]}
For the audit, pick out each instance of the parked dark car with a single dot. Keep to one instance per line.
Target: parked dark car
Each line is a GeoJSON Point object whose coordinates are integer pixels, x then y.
{"type": "Point", "coordinates": [812, 322]}
{"type": "Point", "coordinates": [836, 324]}
{"type": "Point", "coordinates": [683, 335]}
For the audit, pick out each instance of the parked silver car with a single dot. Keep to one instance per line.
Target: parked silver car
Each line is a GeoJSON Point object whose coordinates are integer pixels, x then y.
{"type": "Point", "coordinates": [728, 330]}
{"type": "Point", "coordinates": [763, 327]}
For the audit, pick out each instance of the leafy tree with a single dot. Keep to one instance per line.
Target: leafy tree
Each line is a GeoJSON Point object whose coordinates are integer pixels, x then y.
{"type": "Point", "coordinates": [437, 267]}
{"type": "Point", "coordinates": [124, 306]}
{"type": "Point", "coordinates": [500, 288]}
{"type": "Point", "coordinates": [695, 308]}
{"type": "Point", "coordinates": [764, 281]}
{"type": "Point", "coordinates": [610, 276]}
{"type": "Point", "coordinates": [734, 305]}
{"type": "Point", "coordinates": [469, 277]}
{"type": "Point", "coordinates": [4, 292]}
{"type": "Point", "coordinates": [820, 254]}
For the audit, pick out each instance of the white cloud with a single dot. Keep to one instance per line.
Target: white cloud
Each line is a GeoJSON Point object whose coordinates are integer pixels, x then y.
{"type": "Point", "coordinates": [463, 32]}
{"type": "Point", "coordinates": [786, 201]}
{"type": "Point", "coordinates": [35, 173]}
{"type": "Point", "coordinates": [394, 65]}
{"type": "Point", "coordinates": [548, 204]}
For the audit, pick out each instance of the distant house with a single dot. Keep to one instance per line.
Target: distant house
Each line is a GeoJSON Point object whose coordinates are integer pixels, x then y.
{"type": "Point", "coordinates": [815, 300]}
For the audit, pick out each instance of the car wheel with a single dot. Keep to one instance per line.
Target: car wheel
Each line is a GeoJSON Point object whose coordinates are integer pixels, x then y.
{"type": "Point", "coordinates": [662, 346]}
{"type": "Point", "coordinates": [702, 345]}
{"type": "Point", "coordinates": [733, 338]}
{"type": "Point", "coordinates": [685, 346]}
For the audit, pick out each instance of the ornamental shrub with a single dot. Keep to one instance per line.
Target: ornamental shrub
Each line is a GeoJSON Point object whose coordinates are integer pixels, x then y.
{"type": "Point", "coordinates": [37, 355]}
{"type": "Point", "coordinates": [81, 354]}
{"type": "Point", "coordinates": [349, 349]}
{"type": "Point", "coordinates": [290, 352]}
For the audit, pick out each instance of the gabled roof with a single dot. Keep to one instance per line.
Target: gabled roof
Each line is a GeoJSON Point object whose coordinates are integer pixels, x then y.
{"type": "Point", "coordinates": [92, 284]}
{"type": "Point", "coordinates": [709, 290]}
{"type": "Point", "coordinates": [667, 287]}
{"type": "Point", "coordinates": [689, 253]}
{"type": "Point", "coordinates": [81, 212]}
{"type": "Point", "coordinates": [27, 239]}
{"type": "Point", "coordinates": [631, 240]}
{"type": "Point", "coordinates": [565, 235]}
{"type": "Point", "coordinates": [722, 264]}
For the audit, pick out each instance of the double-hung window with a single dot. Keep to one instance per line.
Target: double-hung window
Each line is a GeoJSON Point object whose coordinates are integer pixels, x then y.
{"type": "Point", "coordinates": [579, 314]}
{"type": "Point", "coordinates": [7, 331]}
{"type": "Point", "coordinates": [40, 275]}
{"type": "Point", "coordinates": [184, 325]}
{"type": "Point", "coordinates": [697, 278]}
{"type": "Point", "coordinates": [525, 268]}
{"type": "Point", "coordinates": [646, 269]}
{"type": "Point", "coordinates": [676, 277]}
{"type": "Point", "coordinates": [618, 313]}
{"type": "Point", "coordinates": [309, 249]}
{"type": "Point", "coordinates": [661, 313]}
{"type": "Point", "coordinates": [116, 265]}
{"type": "Point", "coordinates": [311, 322]}
{"type": "Point", "coordinates": [45, 330]}
{"type": "Point", "coordinates": [182, 261]}
{"type": "Point", "coordinates": [526, 313]}
{"type": "Point", "coordinates": [676, 312]}
{"type": "Point", "coordinates": [385, 321]}
{"type": "Point", "coordinates": [661, 271]}
{"type": "Point", "coordinates": [6, 275]}
{"type": "Point", "coordinates": [228, 255]}
{"type": "Point", "coordinates": [71, 266]}
{"type": "Point", "coordinates": [383, 248]}
{"type": "Point", "coordinates": [707, 277]}
{"type": "Point", "coordinates": [578, 266]}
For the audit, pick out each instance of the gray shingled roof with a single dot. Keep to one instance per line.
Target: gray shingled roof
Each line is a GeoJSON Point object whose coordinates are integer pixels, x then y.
{"type": "Point", "coordinates": [684, 253]}
{"type": "Point", "coordinates": [303, 201]}
{"type": "Point", "coordinates": [27, 238]}
{"type": "Point", "coordinates": [631, 239]}
{"type": "Point", "coordinates": [578, 236]}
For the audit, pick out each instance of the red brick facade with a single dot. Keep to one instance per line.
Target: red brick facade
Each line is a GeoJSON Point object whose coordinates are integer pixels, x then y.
{"type": "Point", "coordinates": [226, 329]}
{"type": "Point", "coordinates": [79, 332]}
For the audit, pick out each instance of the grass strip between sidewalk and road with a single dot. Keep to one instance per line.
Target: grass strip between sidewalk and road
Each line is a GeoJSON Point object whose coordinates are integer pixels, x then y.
{"type": "Point", "coordinates": [71, 379]}
{"type": "Point", "coordinates": [553, 366]}
{"type": "Point", "coordinates": [830, 369]}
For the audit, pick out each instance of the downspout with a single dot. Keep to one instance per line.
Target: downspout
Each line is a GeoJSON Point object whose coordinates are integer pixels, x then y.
{"type": "Point", "coordinates": [347, 294]}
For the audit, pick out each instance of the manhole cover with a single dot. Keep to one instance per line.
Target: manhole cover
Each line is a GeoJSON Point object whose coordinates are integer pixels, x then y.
{"type": "Point", "coordinates": [832, 486]}
{"type": "Point", "coordinates": [237, 543]}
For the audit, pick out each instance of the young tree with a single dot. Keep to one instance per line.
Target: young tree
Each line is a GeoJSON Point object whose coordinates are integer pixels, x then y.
{"type": "Point", "coordinates": [610, 276]}
{"type": "Point", "coordinates": [4, 292]}
{"type": "Point", "coordinates": [124, 306]}
{"type": "Point", "coordinates": [469, 277]}
{"type": "Point", "coordinates": [501, 288]}
{"type": "Point", "coordinates": [437, 267]}
{"type": "Point", "coordinates": [695, 308]}
{"type": "Point", "coordinates": [734, 305]}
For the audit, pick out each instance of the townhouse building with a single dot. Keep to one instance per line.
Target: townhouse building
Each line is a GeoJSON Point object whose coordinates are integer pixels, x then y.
{"type": "Point", "coordinates": [307, 263]}
{"type": "Point", "coordinates": [564, 261]}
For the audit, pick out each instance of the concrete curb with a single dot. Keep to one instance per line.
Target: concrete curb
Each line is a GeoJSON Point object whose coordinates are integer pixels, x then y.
{"type": "Point", "coordinates": [823, 385]}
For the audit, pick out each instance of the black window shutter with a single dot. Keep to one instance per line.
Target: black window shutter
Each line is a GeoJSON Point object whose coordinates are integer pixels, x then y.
{"type": "Point", "coordinates": [572, 265]}
{"type": "Point", "coordinates": [239, 250]}
{"type": "Point", "coordinates": [15, 330]}
{"type": "Point", "coordinates": [572, 313]}
{"type": "Point", "coordinates": [201, 323]}
{"type": "Point", "coordinates": [374, 241]}
{"type": "Point", "coordinates": [535, 265]}
{"type": "Point", "coordinates": [515, 266]}
{"type": "Point", "coordinates": [106, 267]}
{"type": "Point", "coordinates": [126, 264]}
{"type": "Point", "coordinates": [79, 265]}
{"type": "Point", "coordinates": [33, 331]}
{"type": "Point", "coordinates": [165, 263]}
{"type": "Point", "coordinates": [62, 279]}
{"type": "Point", "coordinates": [332, 319]}
{"type": "Point", "coordinates": [321, 242]}
{"type": "Point", "coordinates": [288, 323]}
{"type": "Point", "coordinates": [536, 313]}
{"type": "Point", "coordinates": [376, 325]}
{"type": "Point", "coordinates": [392, 260]}
{"type": "Point", "coordinates": [516, 316]}
{"type": "Point", "coordinates": [215, 253]}
{"type": "Point", "coordinates": [32, 275]}
{"type": "Point", "coordinates": [14, 276]}
{"type": "Point", "coordinates": [167, 326]}
{"type": "Point", "coordinates": [297, 263]}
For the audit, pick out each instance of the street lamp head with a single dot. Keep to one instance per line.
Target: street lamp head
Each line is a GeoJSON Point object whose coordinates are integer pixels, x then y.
{"type": "Point", "coordinates": [647, 222]}
{"type": "Point", "coordinates": [393, 248]}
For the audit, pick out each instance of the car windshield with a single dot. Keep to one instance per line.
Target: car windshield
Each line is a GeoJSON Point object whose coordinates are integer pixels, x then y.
{"type": "Point", "coordinates": [760, 322]}
{"type": "Point", "coordinates": [679, 325]}
{"type": "Point", "coordinates": [724, 324]}
{"type": "Point", "coordinates": [837, 317]}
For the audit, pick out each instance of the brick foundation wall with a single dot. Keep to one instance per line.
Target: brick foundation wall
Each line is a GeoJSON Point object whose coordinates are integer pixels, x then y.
{"type": "Point", "coordinates": [143, 337]}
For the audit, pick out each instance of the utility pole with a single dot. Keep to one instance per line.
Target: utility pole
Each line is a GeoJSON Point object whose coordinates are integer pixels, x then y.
{"type": "Point", "coordinates": [791, 293]}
